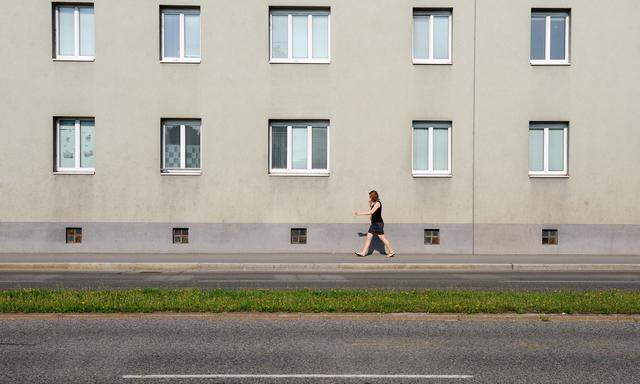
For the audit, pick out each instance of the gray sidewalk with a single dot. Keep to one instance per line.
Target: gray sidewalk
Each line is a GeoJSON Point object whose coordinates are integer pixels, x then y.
{"type": "Point", "coordinates": [312, 262]}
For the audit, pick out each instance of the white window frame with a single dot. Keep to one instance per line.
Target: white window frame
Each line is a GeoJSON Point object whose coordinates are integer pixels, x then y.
{"type": "Point", "coordinates": [309, 59]}
{"type": "Point", "coordinates": [289, 171]}
{"type": "Point", "coordinates": [76, 33]}
{"type": "Point", "coordinates": [545, 150]}
{"type": "Point", "coordinates": [77, 169]}
{"type": "Point", "coordinates": [183, 170]}
{"type": "Point", "coordinates": [431, 14]}
{"type": "Point", "coordinates": [547, 39]}
{"type": "Point", "coordinates": [181, 12]}
{"type": "Point", "coordinates": [430, 172]}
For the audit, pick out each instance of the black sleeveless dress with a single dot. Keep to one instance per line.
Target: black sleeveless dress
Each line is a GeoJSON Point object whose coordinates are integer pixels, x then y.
{"type": "Point", "coordinates": [377, 225]}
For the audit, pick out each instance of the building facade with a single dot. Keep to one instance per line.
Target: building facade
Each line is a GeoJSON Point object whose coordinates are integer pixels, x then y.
{"type": "Point", "coordinates": [487, 126]}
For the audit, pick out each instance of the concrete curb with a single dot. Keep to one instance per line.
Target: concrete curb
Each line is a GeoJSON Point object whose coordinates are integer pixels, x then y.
{"type": "Point", "coordinates": [308, 267]}
{"type": "Point", "coordinates": [252, 316]}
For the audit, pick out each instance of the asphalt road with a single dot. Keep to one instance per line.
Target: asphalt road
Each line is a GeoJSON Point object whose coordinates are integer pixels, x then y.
{"type": "Point", "coordinates": [386, 280]}
{"type": "Point", "coordinates": [125, 351]}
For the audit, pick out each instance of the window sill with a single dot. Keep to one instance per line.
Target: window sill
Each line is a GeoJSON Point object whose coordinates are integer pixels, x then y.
{"type": "Point", "coordinates": [300, 61]}
{"type": "Point", "coordinates": [548, 175]}
{"type": "Point", "coordinates": [432, 62]}
{"type": "Point", "coordinates": [180, 61]}
{"type": "Point", "coordinates": [181, 173]}
{"type": "Point", "coordinates": [79, 59]}
{"type": "Point", "coordinates": [303, 174]}
{"type": "Point", "coordinates": [549, 63]}
{"type": "Point", "coordinates": [82, 172]}
{"type": "Point", "coordinates": [438, 175]}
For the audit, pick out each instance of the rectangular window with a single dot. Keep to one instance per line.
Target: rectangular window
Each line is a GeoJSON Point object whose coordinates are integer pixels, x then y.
{"type": "Point", "coordinates": [548, 149]}
{"type": "Point", "coordinates": [181, 142]}
{"type": "Point", "coordinates": [431, 148]}
{"type": "Point", "coordinates": [75, 145]}
{"type": "Point", "coordinates": [550, 236]}
{"type": "Point", "coordinates": [298, 235]}
{"type": "Point", "coordinates": [180, 35]}
{"type": "Point", "coordinates": [431, 236]}
{"type": "Point", "coordinates": [300, 36]}
{"type": "Point", "coordinates": [432, 36]}
{"type": "Point", "coordinates": [74, 235]}
{"type": "Point", "coordinates": [180, 235]}
{"type": "Point", "coordinates": [549, 37]}
{"type": "Point", "coordinates": [74, 32]}
{"type": "Point", "coordinates": [299, 147]}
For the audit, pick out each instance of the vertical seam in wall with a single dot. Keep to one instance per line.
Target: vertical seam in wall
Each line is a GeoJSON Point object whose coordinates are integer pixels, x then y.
{"type": "Point", "coordinates": [473, 133]}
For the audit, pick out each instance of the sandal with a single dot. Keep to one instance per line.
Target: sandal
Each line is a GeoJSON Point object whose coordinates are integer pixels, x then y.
{"type": "Point", "coordinates": [391, 255]}
{"type": "Point", "coordinates": [358, 254]}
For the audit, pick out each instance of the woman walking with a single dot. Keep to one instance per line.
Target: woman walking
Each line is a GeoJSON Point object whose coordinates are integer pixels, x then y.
{"type": "Point", "coordinates": [377, 225]}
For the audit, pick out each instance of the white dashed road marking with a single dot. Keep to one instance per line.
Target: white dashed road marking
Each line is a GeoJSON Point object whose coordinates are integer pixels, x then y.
{"type": "Point", "coordinates": [296, 376]}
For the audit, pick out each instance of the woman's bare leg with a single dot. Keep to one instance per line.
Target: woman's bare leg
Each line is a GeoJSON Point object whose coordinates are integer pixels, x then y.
{"type": "Point", "coordinates": [367, 243]}
{"type": "Point", "coordinates": [387, 244]}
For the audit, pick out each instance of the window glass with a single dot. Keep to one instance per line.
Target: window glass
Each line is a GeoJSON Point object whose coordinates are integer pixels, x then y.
{"type": "Point", "coordinates": [420, 149]}
{"type": "Point", "coordinates": [171, 35]}
{"type": "Point", "coordinates": [538, 33]}
{"type": "Point", "coordinates": [279, 36]}
{"type": "Point", "coordinates": [192, 150]}
{"type": "Point", "coordinates": [441, 37]}
{"type": "Point", "coordinates": [279, 147]}
{"type": "Point", "coordinates": [440, 149]}
{"type": "Point", "coordinates": [191, 35]}
{"type": "Point", "coordinates": [87, 143]}
{"type": "Point", "coordinates": [536, 149]}
{"type": "Point", "coordinates": [67, 143]}
{"type": "Point", "coordinates": [87, 41]}
{"type": "Point", "coordinates": [319, 148]}
{"type": "Point", "coordinates": [299, 36]}
{"type": "Point", "coordinates": [66, 34]}
{"type": "Point", "coordinates": [558, 35]}
{"type": "Point", "coordinates": [421, 37]}
{"type": "Point", "coordinates": [320, 36]}
{"type": "Point", "coordinates": [172, 146]}
{"type": "Point", "coordinates": [299, 147]}
{"type": "Point", "coordinates": [556, 149]}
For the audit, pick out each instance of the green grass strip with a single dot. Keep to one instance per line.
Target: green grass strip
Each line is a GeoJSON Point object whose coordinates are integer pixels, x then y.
{"type": "Point", "coordinates": [338, 301]}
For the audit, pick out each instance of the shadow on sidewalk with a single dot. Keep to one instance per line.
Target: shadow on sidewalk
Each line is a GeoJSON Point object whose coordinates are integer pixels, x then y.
{"type": "Point", "coordinates": [376, 244]}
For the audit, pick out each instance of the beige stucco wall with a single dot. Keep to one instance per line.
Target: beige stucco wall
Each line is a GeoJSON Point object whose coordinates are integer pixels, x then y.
{"type": "Point", "coordinates": [597, 94]}
{"type": "Point", "coordinates": [370, 93]}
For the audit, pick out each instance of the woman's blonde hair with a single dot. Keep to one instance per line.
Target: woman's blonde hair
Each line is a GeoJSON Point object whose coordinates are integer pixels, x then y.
{"type": "Point", "coordinates": [373, 195]}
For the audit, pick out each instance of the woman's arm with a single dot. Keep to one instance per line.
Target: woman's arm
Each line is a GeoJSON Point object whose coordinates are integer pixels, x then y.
{"type": "Point", "coordinates": [375, 207]}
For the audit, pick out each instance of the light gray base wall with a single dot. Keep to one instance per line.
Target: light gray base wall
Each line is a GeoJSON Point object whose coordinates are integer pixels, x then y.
{"type": "Point", "coordinates": [575, 239]}
{"type": "Point", "coordinates": [224, 238]}
{"type": "Point", "coordinates": [496, 239]}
